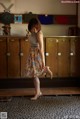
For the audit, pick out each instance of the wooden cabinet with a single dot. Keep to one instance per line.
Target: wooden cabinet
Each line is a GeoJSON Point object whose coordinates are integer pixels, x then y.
{"type": "Point", "coordinates": [57, 56]}
{"type": "Point", "coordinates": [51, 55]}
{"type": "Point", "coordinates": [24, 51]}
{"type": "Point", "coordinates": [13, 57]}
{"type": "Point", "coordinates": [73, 57]}
{"type": "Point", "coordinates": [63, 56]}
{"type": "Point", "coordinates": [3, 58]}
{"type": "Point", "coordinates": [12, 49]}
{"type": "Point", "coordinates": [77, 56]}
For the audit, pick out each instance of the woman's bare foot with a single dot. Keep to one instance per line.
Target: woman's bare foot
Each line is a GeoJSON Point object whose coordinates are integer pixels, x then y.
{"type": "Point", "coordinates": [36, 96]}
{"type": "Point", "coordinates": [49, 71]}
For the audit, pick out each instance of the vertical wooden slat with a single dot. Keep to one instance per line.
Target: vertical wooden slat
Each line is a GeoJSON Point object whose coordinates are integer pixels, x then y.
{"type": "Point", "coordinates": [13, 58]}
{"type": "Point", "coordinates": [24, 54]}
{"type": "Point", "coordinates": [63, 57]}
{"type": "Point", "coordinates": [3, 62]}
{"type": "Point", "coordinates": [51, 55]}
{"type": "Point", "coordinates": [77, 57]}
{"type": "Point", "coordinates": [72, 57]}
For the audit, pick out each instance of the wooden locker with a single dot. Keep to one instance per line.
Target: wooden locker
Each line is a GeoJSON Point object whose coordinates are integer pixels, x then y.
{"type": "Point", "coordinates": [72, 56]}
{"type": "Point", "coordinates": [13, 57]}
{"type": "Point", "coordinates": [3, 60]}
{"type": "Point", "coordinates": [24, 52]}
{"type": "Point", "coordinates": [63, 57]}
{"type": "Point", "coordinates": [44, 42]}
{"type": "Point", "coordinates": [51, 55]}
{"type": "Point", "coordinates": [77, 56]}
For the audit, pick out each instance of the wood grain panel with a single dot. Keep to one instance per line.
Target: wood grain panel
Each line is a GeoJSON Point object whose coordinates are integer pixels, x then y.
{"type": "Point", "coordinates": [51, 55]}
{"type": "Point", "coordinates": [72, 57]}
{"type": "Point", "coordinates": [3, 61]}
{"type": "Point", "coordinates": [45, 91]}
{"type": "Point", "coordinates": [13, 58]}
{"type": "Point", "coordinates": [25, 52]}
{"type": "Point", "coordinates": [77, 52]}
{"type": "Point", "coordinates": [63, 57]}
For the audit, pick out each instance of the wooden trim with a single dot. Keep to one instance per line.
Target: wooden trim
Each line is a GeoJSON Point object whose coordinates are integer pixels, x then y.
{"type": "Point", "coordinates": [45, 91]}
{"type": "Point", "coordinates": [10, 83]}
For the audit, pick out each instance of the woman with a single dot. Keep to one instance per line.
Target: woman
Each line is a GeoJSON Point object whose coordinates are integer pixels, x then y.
{"type": "Point", "coordinates": [35, 65]}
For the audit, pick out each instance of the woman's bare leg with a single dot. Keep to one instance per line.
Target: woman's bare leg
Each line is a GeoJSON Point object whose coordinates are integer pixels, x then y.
{"type": "Point", "coordinates": [37, 88]}
{"type": "Point", "coordinates": [49, 71]}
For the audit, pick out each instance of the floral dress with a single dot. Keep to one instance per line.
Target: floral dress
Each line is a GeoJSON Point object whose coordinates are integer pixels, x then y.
{"type": "Point", "coordinates": [34, 61]}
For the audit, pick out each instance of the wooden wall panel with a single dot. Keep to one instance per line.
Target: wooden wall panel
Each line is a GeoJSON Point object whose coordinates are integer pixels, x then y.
{"type": "Point", "coordinates": [51, 55]}
{"type": "Point", "coordinates": [77, 50]}
{"type": "Point", "coordinates": [3, 61]}
{"type": "Point", "coordinates": [63, 57]}
{"type": "Point", "coordinates": [13, 58]}
{"type": "Point", "coordinates": [72, 57]}
{"type": "Point", "coordinates": [24, 52]}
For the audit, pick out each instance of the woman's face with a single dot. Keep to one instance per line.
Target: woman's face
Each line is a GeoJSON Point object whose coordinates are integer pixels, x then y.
{"type": "Point", "coordinates": [35, 29]}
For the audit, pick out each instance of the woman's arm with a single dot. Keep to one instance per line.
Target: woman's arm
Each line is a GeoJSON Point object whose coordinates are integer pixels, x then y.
{"type": "Point", "coordinates": [41, 45]}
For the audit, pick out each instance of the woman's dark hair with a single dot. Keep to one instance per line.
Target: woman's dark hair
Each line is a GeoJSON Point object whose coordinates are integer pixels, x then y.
{"type": "Point", "coordinates": [33, 22]}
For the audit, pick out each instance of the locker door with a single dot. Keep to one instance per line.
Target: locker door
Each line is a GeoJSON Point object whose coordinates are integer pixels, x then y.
{"type": "Point", "coordinates": [51, 55]}
{"type": "Point", "coordinates": [77, 52]}
{"type": "Point", "coordinates": [72, 57]}
{"type": "Point", "coordinates": [13, 58]}
{"type": "Point", "coordinates": [63, 57]}
{"type": "Point", "coordinates": [24, 51]}
{"type": "Point", "coordinates": [3, 61]}
{"type": "Point", "coordinates": [44, 41]}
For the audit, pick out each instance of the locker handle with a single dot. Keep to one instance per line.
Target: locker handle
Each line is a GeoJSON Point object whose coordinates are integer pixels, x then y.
{"type": "Point", "coordinates": [71, 54]}
{"type": "Point", "coordinates": [47, 54]}
{"type": "Point", "coordinates": [21, 54]}
{"type": "Point", "coordinates": [59, 54]}
{"type": "Point", "coordinates": [8, 54]}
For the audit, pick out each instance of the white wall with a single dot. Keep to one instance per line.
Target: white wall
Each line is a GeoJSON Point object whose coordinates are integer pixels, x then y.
{"type": "Point", "coordinates": [40, 7]}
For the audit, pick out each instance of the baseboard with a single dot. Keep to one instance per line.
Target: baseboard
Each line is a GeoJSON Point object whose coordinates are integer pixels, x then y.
{"type": "Point", "coordinates": [45, 82]}
{"type": "Point", "coordinates": [60, 91]}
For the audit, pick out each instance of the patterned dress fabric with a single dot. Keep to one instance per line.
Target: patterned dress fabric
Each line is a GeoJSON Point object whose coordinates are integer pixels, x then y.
{"type": "Point", "coordinates": [34, 62]}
